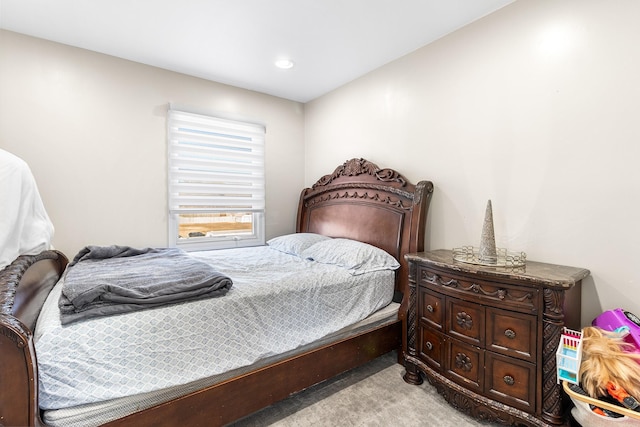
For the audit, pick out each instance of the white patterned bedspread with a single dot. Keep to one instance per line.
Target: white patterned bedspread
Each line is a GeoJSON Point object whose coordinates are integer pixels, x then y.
{"type": "Point", "coordinates": [278, 302]}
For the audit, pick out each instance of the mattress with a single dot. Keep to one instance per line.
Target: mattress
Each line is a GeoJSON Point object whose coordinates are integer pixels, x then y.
{"type": "Point", "coordinates": [95, 414]}
{"type": "Point", "coordinates": [278, 304]}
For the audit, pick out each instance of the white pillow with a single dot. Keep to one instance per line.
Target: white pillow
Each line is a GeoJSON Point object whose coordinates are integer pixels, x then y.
{"type": "Point", "coordinates": [296, 243]}
{"type": "Point", "coordinates": [357, 257]}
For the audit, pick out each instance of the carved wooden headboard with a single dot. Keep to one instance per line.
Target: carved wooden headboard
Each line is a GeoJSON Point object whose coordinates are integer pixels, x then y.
{"type": "Point", "coordinates": [362, 202]}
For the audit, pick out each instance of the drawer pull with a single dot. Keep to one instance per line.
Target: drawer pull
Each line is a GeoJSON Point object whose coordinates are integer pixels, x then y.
{"type": "Point", "coordinates": [430, 308]}
{"type": "Point", "coordinates": [508, 380]}
{"type": "Point", "coordinates": [463, 362]}
{"type": "Point", "coordinates": [429, 345]}
{"type": "Point", "coordinates": [510, 333]}
{"type": "Point", "coordinates": [464, 320]}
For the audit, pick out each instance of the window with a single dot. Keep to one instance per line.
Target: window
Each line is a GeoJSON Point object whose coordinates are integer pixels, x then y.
{"type": "Point", "coordinates": [216, 182]}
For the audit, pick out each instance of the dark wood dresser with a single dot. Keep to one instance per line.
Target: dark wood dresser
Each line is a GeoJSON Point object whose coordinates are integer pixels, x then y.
{"type": "Point", "coordinates": [486, 337]}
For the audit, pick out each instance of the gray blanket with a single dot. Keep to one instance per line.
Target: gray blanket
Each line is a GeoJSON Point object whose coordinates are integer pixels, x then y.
{"type": "Point", "coordinates": [106, 280]}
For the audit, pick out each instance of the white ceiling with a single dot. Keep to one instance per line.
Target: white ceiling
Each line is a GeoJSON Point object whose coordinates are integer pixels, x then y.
{"type": "Point", "coordinates": [237, 41]}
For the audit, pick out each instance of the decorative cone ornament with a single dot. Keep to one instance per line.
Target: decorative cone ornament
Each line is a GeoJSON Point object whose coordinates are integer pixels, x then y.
{"type": "Point", "coordinates": [487, 253]}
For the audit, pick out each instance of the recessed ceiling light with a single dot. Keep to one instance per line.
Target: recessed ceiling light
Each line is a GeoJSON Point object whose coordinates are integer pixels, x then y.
{"type": "Point", "coordinates": [285, 64]}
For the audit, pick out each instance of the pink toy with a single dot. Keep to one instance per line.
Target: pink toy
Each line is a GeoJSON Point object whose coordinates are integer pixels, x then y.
{"type": "Point", "coordinates": [622, 321]}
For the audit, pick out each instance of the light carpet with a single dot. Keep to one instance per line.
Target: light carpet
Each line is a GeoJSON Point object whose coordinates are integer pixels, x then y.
{"type": "Point", "coordinates": [372, 395]}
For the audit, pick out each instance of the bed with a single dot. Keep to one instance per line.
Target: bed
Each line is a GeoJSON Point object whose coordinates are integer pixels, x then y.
{"type": "Point", "coordinates": [358, 201]}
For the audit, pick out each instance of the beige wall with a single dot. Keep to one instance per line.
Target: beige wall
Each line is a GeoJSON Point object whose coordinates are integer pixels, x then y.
{"type": "Point", "coordinates": [534, 107]}
{"type": "Point", "coordinates": [93, 130]}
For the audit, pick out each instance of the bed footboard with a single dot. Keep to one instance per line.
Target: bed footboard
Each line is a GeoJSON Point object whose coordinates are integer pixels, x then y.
{"type": "Point", "coordinates": [24, 286]}
{"type": "Point", "coordinates": [235, 398]}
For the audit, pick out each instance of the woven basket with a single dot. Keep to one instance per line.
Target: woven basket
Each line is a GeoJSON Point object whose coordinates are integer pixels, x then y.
{"type": "Point", "coordinates": [587, 418]}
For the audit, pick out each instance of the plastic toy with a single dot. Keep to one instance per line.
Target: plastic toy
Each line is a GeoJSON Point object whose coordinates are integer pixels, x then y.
{"type": "Point", "coordinates": [622, 321]}
{"type": "Point", "coordinates": [621, 395]}
{"type": "Point", "coordinates": [569, 355]}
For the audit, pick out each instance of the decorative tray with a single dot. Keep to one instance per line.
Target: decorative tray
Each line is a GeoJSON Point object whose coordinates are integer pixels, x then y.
{"type": "Point", "coordinates": [505, 258]}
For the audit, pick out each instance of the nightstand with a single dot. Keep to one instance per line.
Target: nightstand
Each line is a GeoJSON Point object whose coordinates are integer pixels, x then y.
{"type": "Point", "coordinates": [486, 337]}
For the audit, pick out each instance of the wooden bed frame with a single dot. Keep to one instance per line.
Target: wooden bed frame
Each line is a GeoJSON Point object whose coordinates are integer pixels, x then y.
{"type": "Point", "coordinates": [358, 201]}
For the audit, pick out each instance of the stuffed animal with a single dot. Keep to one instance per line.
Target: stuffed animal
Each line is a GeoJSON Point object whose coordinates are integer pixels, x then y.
{"type": "Point", "coordinates": [608, 361]}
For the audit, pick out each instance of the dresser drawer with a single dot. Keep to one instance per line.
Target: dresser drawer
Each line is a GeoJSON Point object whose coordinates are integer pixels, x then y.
{"type": "Point", "coordinates": [431, 347]}
{"type": "Point", "coordinates": [510, 381]}
{"type": "Point", "coordinates": [512, 334]}
{"type": "Point", "coordinates": [431, 308]}
{"type": "Point", "coordinates": [468, 287]}
{"type": "Point", "coordinates": [465, 321]}
{"type": "Point", "coordinates": [465, 364]}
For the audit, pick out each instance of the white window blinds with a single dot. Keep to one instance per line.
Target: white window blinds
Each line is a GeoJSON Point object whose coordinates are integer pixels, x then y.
{"type": "Point", "coordinates": [216, 167]}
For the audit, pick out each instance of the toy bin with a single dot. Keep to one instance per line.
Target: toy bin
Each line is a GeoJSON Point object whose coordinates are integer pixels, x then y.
{"type": "Point", "coordinates": [584, 415]}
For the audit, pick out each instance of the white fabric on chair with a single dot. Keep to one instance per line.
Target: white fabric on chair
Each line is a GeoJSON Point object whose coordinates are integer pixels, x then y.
{"type": "Point", "coordinates": [25, 227]}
